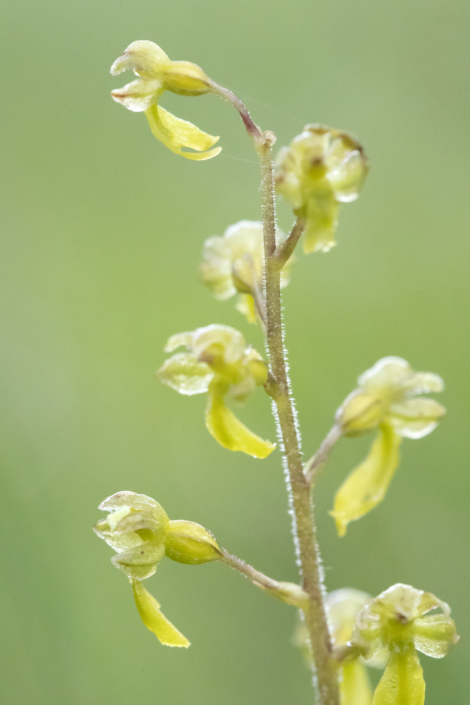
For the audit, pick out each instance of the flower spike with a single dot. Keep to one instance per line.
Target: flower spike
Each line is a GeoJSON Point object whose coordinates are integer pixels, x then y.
{"type": "Point", "coordinates": [219, 363]}
{"type": "Point", "coordinates": [385, 401]}
{"type": "Point", "coordinates": [157, 74]}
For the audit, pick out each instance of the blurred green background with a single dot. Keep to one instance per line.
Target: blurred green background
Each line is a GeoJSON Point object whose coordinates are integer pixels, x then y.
{"type": "Point", "coordinates": [102, 230]}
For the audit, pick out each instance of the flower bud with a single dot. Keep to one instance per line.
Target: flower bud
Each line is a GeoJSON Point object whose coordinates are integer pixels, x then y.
{"type": "Point", "coordinates": [188, 542]}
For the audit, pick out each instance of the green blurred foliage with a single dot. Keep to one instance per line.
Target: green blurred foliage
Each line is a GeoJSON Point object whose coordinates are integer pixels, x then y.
{"type": "Point", "coordinates": [102, 230]}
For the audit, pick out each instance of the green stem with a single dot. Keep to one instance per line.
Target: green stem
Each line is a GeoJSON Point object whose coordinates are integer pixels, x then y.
{"type": "Point", "coordinates": [303, 524]}
{"type": "Point", "coordinates": [286, 248]}
{"type": "Point", "coordinates": [317, 462]}
{"type": "Point", "coordinates": [287, 592]}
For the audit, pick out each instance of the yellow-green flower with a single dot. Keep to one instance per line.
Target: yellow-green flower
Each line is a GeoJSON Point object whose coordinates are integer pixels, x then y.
{"type": "Point", "coordinates": [233, 264]}
{"type": "Point", "coordinates": [398, 620]}
{"type": "Point", "coordinates": [218, 362]}
{"type": "Point", "coordinates": [157, 74]}
{"type": "Point", "coordinates": [321, 168]}
{"type": "Point", "coordinates": [343, 607]}
{"type": "Point", "coordinates": [139, 530]}
{"type": "Point", "coordinates": [386, 400]}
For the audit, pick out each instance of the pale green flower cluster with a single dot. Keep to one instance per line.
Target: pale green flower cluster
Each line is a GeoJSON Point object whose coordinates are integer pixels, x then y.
{"type": "Point", "coordinates": [320, 169]}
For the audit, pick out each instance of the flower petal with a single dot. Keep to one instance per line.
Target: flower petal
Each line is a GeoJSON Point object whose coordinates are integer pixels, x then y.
{"type": "Point", "coordinates": [227, 430]}
{"type": "Point", "coordinates": [138, 95]}
{"type": "Point", "coordinates": [246, 306]}
{"type": "Point", "coordinates": [366, 486]}
{"type": "Point", "coordinates": [141, 561]}
{"type": "Point", "coordinates": [423, 383]}
{"type": "Point", "coordinates": [354, 684]}
{"type": "Point", "coordinates": [145, 58]}
{"type": "Point", "coordinates": [403, 682]}
{"type": "Point", "coordinates": [216, 268]}
{"type": "Point", "coordinates": [120, 500]}
{"type": "Point", "coordinates": [430, 602]}
{"type": "Point", "coordinates": [175, 133]}
{"type": "Point", "coordinates": [434, 635]}
{"type": "Point", "coordinates": [186, 374]}
{"type": "Point", "coordinates": [342, 608]}
{"type": "Point", "coordinates": [415, 418]}
{"type": "Point", "coordinates": [387, 372]}
{"type": "Point", "coordinates": [347, 168]}
{"type": "Point", "coordinates": [179, 340]}
{"type": "Point", "coordinates": [152, 617]}
{"type": "Point", "coordinates": [322, 220]}
{"type": "Point", "coordinates": [222, 343]}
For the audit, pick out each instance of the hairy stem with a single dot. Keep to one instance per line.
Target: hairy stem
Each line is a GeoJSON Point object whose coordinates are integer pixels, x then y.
{"type": "Point", "coordinates": [303, 524]}
{"type": "Point", "coordinates": [252, 129]}
{"type": "Point", "coordinates": [288, 592]}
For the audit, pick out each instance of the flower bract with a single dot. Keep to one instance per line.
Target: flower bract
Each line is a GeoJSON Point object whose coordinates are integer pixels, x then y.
{"type": "Point", "coordinates": [321, 168]}
{"type": "Point", "coordinates": [219, 363]}
{"type": "Point", "coordinates": [139, 530]}
{"type": "Point", "coordinates": [157, 74]}
{"type": "Point", "coordinates": [233, 264]}
{"type": "Point", "coordinates": [386, 400]}
{"type": "Point", "coordinates": [398, 621]}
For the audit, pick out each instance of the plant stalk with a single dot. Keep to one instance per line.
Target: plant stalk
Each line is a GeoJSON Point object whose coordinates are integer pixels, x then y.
{"type": "Point", "coordinates": [287, 592]}
{"type": "Point", "coordinates": [318, 461]}
{"type": "Point", "coordinates": [299, 490]}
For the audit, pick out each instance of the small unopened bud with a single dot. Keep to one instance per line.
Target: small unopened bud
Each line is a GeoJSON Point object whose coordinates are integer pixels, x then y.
{"type": "Point", "coordinates": [188, 542]}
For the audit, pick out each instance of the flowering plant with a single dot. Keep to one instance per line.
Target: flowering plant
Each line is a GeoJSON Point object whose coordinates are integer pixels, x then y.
{"type": "Point", "coordinates": [342, 632]}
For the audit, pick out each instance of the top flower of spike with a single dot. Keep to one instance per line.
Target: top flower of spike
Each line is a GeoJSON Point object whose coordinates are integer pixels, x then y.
{"type": "Point", "coordinates": [157, 74]}
{"type": "Point", "coordinates": [321, 168]}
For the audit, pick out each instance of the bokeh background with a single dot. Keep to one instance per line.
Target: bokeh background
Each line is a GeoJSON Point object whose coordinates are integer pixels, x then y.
{"type": "Point", "coordinates": [102, 230]}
